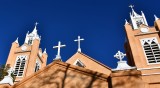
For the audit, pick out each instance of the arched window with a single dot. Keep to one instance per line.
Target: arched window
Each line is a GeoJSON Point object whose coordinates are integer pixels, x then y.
{"type": "Point", "coordinates": [20, 65]}
{"type": "Point", "coordinates": [30, 41]}
{"type": "Point", "coordinates": [37, 67]}
{"type": "Point", "coordinates": [151, 50]}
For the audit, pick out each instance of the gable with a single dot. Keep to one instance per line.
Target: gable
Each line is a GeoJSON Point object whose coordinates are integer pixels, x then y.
{"type": "Point", "coordinates": [89, 63]}
{"type": "Point", "coordinates": [62, 75]}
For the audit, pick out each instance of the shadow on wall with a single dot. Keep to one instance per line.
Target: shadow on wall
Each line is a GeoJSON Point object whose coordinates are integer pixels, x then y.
{"type": "Point", "coordinates": [127, 79]}
{"type": "Point", "coordinates": [64, 77]}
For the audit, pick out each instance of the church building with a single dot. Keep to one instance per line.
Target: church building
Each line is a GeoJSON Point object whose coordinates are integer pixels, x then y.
{"type": "Point", "coordinates": [142, 47]}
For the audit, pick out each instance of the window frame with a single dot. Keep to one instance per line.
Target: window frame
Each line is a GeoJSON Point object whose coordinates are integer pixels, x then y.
{"type": "Point", "coordinates": [17, 58]}
{"type": "Point", "coordinates": [79, 62]}
{"type": "Point", "coordinates": [39, 63]}
{"type": "Point", "coordinates": [150, 39]}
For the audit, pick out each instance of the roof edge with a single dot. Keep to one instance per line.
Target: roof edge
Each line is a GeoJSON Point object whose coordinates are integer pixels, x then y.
{"type": "Point", "coordinates": [94, 60]}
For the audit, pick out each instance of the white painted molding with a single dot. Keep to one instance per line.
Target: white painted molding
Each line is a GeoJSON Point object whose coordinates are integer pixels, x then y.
{"type": "Point", "coordinates": [148, 68]}
{"type": "Point", "coordinates": [158, 73]}
{"type": "Point", "coordinates": [122, 65]}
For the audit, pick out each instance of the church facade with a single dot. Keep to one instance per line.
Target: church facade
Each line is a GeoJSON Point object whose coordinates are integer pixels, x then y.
{"type": "Point", "coordinates": [142, 48]}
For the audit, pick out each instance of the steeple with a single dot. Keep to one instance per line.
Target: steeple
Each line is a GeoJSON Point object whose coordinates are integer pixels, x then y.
{"type": "Point", "coordinates": [136, 19]}
{"type": "Point", "coordinates": [33, 35]}
{"type": "Point", "coordinates": [133, 12]}
{"type": "Point", "coordinates": [35, 29]}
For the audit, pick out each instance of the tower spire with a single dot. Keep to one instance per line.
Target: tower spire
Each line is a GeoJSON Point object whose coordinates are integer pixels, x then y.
{"type": "Point", "coordinates": [35, 28]}
{"type": "Point", "coordinates": [33, 35]}
{"type": "Point", "coordinates": [136, 19]}
{"type": "Point", "coordinates": [133, 12]}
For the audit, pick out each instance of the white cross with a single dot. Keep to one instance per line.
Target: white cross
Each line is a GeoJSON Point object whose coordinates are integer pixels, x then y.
{"type": "Point", "coordinates": [119, 55]}
{"type": "Point", "coordinates": [59, 47]}
{"type": "Point", "coordinates": [79, 42]}
{"type": "Point", "coordinates": [131, 6]}
{"type": "Point", "coordinates": [36, 23]}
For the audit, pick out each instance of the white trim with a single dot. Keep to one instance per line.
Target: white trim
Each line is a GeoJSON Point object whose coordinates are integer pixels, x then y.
{"type": "Point", "coordinates": [123, 69]}
{"type": "Point", "coordinates": [148, 68]}
{"type": "Point", "coordinates": [158, 73]}
{"type": "Point", "coordinates": [149, 40]}
{"type": "Point", "coordinates": [146, 40]}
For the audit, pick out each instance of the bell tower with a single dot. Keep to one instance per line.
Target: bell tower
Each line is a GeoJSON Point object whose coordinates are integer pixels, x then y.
{"type": "Point", "coordinates": [143, 48]}
{"type": "Point", "coordinates": [142, 45]}
{"type": "Point", "coordinates": [136, 19]}
{"type": "Point", "coordinates": [27, 58]}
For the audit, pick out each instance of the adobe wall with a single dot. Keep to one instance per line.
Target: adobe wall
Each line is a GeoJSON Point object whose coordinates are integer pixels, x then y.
{"type": "Point", "coordinates": [89, 63]}
{"type": "Point", "coordinates": [128, 79]}
{"type": "Point", "coordinates": [62, 75]}
{"type": "Point", "coordinates": [5, 86]}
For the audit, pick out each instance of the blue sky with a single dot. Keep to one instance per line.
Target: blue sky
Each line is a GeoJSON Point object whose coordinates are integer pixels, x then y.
{"type": "Point", "coordinates": [99, 22]}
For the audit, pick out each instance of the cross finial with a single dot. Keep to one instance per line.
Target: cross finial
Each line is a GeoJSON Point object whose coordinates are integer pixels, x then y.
{"type": "Point", "coordinates": [131, 6]}
{"type": "Point", "coordinates": [119, 55]}
{"type": "Point", "coordinates": [36, 23]}
{"type": "Point", "coordinates": [59, 47]}
{"type": "Point", "coordinates": [79, 42]}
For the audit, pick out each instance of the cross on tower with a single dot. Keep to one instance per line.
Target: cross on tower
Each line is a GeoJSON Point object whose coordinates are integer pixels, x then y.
{"type": "Point", "coordinates": [79, 42]}
{"type": "Point", "coordinates": [131, 6]}
{"type": "Point", "coordinates": [119, 55]}
{"type": "Point", "coordinates": [58, 52]}
{"type": "Point", "coordinates": [36, 23]}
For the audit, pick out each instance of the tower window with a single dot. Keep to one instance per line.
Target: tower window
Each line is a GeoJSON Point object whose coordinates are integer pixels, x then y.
{"type": "Point", "coordinates": [139, 22]}
{"type": "Point", "coordinates": [30, 41]}
{"type": "Point", "coordinates": [151, 49]}
{"type": "Point", "coordinates": [37, 67]}
{"type": "Point", "coordinates": [20, 65]}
